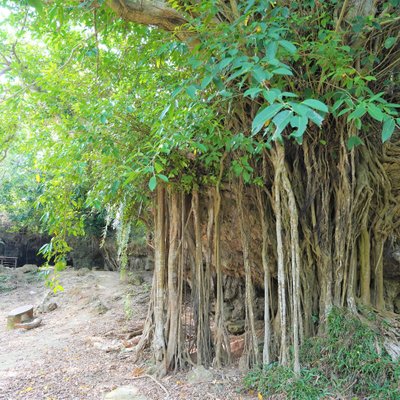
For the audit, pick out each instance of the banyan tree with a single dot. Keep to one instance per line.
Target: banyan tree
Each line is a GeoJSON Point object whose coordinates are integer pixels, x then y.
{"type": "Point", "coordinates": [286, 178]}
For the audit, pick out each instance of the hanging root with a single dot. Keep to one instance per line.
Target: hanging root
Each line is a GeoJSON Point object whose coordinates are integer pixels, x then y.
{"type": "Point", "coordinates": [251, 342]}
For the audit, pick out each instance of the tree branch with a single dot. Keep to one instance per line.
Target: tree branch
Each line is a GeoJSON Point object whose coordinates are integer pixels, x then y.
{"type": "Point", "coordinates": [146, 12]}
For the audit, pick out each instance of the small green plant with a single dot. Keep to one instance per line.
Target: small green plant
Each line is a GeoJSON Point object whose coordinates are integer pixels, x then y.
{"type": "Point", "coordinates": [349, 361]}
{"type": "Point", "coordinates": [5, 284]}
{"type": "Point", "coordinates": [128, 309]}
{"type": "Point", "coordinates": [276, 379]}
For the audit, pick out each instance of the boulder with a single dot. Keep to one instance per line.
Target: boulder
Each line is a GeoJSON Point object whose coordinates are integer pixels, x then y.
{"type": "Point", "coordinates": [28, 268]}
{"type": "Point", "coordinates": [6, 270]}
{"type": "Point", "coordinates": [125, 393]}
{"type": "Point", "coordinates": [134, 279]}
{"type": "Point", "coordinates": [51, 306]}
{"type": "Point", "coordinates": [236, 327]}
{"type": "Point", "coordinates": [47, 303]}
{"type": "Point", "coordinates": [99, 307]}
{"type": "Point", "coordinates": [199, 374]}
{"type": "Point", "coordinates": [83, 271]}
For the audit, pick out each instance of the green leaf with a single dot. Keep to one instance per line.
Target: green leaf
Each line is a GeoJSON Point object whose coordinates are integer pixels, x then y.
{"type": "Point", "coordinates": [390, 41]}
{"type": "Point", "coordinates": [166, 109]}
{"type": "Point", "coordinates": [281, 121]}
{"type": "Point", "coordinates": [271, 50]}
{"type": "Point", "coordinates": [316, 105]}
{"type": "Point", "coordinates": [152, 183]}
{"type": "Point", "coordinates": [206, 81]}
{"type": "Point", "coordinates": [37, 4]}
{"type": "Point", "coordinates": [289, 46]}
{"type": "Point", "coordinates": [158, 167]}
{"type": "Point", "coordinates": [375, 112]}
{"type": "Point", "coordinates": [60, 265]}
{"type": "Point", "coordinates": [344, 111]}
{"type": "Point", "coordinates": [224, 63]}
{"type": "Point", "coordinates": [357, 113]}
{"type": "Point", "coordinates": [289, 94]}
{"type": "Point", "coordinates": [242, 71]}
{"type": "Point", "coordinates": [301, 124]}
{"type": "Point", "coordinates": [200, 146]}
{"type": "Point", "coordinates": [58, 288]}
{"type": "Point", "coordinates": [315, 117]}
{"type": "Point", "coordinates": [191, 91]}
{"type": "Point", "coordinates": [353, 141]}
{"type": "Point", "coordinates": [252, 92]}
{"type": "Point", "coordinates": [300, 109]}
{"type": "Point", "coordinates": [133, 175]}
{"type": "Point", "coordinates": [272, 94]}
{"type": "Point", "coordinates": [337, 104]}
{"type": "Point", "coordinates": [282, 71]}
{"type": "Point", "coordinates": [163, 177]}
{"type": "Point", "coordinates": [176, 91]}
{"type": "Point", "coordinates": [260, 75]}
{"type": "Point", "coordinates": [264, 115]}
{"type": "Point", "coordinates": [388, 129]}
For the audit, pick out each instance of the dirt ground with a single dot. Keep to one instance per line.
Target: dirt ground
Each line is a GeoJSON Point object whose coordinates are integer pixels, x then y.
{"type": "Point", "coordinates": [80, 349]}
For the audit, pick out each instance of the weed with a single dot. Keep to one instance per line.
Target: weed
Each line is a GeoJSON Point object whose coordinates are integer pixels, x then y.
{"type": "Point", "coordinates": [128, 309]}
{"type": "Point", "coordinates": [6, 284]}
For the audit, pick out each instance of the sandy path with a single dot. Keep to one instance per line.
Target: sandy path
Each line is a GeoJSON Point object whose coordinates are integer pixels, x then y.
{"type": "Point", "coordinates": [66, 358]}
{"type": "Point", "coordinates": [59, 360]}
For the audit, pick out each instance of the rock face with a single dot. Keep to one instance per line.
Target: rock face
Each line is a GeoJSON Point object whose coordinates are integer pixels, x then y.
{"type": "Point", "coordinates": [86, 251]}
{"type": "Point", "coordinates": [138, 255]}
{"type": "Point", "coordinates": [199, 374]}
{"type": "Point", "coordinates": [22, 245]}
{"type": "Point", "coordinates": [391, 263]}
{"type": "Point", "coordinates": [125, 393]}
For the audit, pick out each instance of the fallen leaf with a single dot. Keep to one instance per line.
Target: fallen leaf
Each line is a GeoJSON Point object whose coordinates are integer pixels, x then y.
{"type": "Point", "coordinates": [137, 371]}
{"type": "Point", "coordinates": [26, 390]}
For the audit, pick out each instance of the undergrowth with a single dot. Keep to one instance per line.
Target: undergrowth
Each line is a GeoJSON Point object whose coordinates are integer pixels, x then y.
{"type": "Point", "coordinates": [348, 362]}
{"type": "Point", "coordinates": [6, 284]}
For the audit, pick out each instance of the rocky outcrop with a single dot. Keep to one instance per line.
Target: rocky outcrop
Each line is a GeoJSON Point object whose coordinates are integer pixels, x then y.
{"type": "Point", "coordinates": [22, 244]}
{"type": "Point", "coordinates": [391, 262]}
{"type": "Point", "coordinates": [86, 251]}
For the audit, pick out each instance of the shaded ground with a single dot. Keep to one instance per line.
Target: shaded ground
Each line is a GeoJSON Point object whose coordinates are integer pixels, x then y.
{"type": "Point", "coordinates": [79, 350]}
